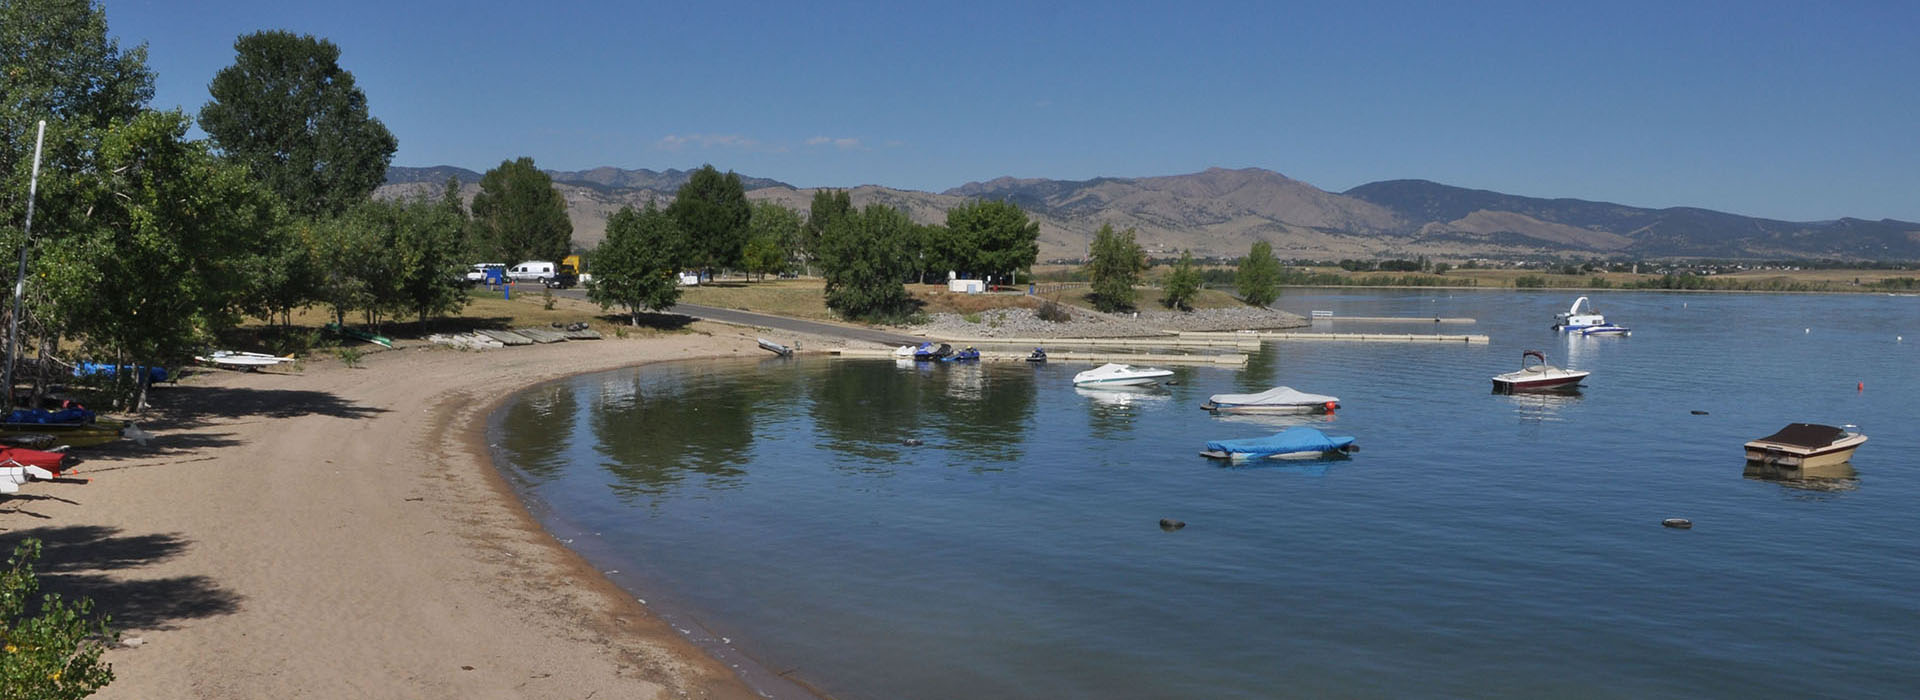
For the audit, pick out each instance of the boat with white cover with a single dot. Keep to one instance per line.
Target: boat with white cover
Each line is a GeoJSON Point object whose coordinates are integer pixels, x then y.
{"type": "Point", "coordinates": [1280, 399]}
{"type": "Point", "coordinates": [1116, 374]}
{"type": "Point", "coordinates": [247, 360]}
{"type": "Point", "coordinates": [1538, 376]}
{"type": "Point", "coordinates": [1806, 445]}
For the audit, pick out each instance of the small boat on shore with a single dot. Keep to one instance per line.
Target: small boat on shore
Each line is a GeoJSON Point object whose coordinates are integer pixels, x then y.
{"type": "Point", "coordinates": [50, 461]}
{"type": "Point", "coordinates": [1280, 399]}
{"type": "Point", "coordinates": [1806, 445]}
{"type": "Point", "coordinates": [1116, 374]}
{"type": "Point", "coordinates": [1293, 443]}
{"type": "Point", "coordinates": [241, 360]}
{"type": "Point", "coordinates": [1538, 376]}
{"type": "Point", "coordinates": [929, 352]}
{"type": "Point", "coordinates": [966, 355]}
{"type": "Point", "coordinates": [774, 347]}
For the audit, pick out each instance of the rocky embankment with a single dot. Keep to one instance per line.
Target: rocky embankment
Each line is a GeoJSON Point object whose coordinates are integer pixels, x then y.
{"type": "Point", "coordinates": [1022, 323]}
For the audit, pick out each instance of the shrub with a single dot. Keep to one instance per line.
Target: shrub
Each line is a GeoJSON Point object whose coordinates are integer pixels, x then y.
{"type": "Point", "coordinates": [52, 651]}
{"type": "Point", "coordinates": [1053, 313]}
{"type": "Point", "coordinates": [351, 356]}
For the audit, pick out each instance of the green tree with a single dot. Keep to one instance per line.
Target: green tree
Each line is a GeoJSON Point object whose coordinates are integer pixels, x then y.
{"type": "Point", "coordinates": [421, 239]}
{"type": "Point", "coordinates": [1258, 278]}
{"type": "Point", "coordinates": [773, 238]}
{"type": "Point", "coordinates": [52, 647]}
{"type": "Point", "coordinates": [292, 115]}
{"type": "Point", "coordinates": [451, 201]}
{"type": "Point", "coordinates": [162, 263]}
{"type": "Point", "coordinates": [828, 205]}
{"type": "Point", "coordinates": [712, 209]}
{"type": "Point", "coordinates": [59, 64]}
{"type": "Point", "coordinates": [519, 216]}
{"type": "Point", "coordinates": [1182, 284]}
{"type": "Point", "coordinates": [863, 257]}
{"type": "Point", "coordinates": [1114, 264]}
{"type": "Point", "coordinates": [633, 266]}
{"type": "Point", "coordinates": [992, 238]}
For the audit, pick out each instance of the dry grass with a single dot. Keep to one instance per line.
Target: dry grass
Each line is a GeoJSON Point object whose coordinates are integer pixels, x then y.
{"type": "Point", "coordinates": [795, 298]}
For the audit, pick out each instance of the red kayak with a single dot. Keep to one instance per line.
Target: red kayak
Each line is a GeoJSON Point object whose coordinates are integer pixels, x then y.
{"type": "Point", "coordinates": [50, 461]}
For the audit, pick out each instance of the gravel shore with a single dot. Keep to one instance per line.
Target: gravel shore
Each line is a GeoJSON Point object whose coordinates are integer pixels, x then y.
{"type": "Point", "coordinates": [1022, 323]}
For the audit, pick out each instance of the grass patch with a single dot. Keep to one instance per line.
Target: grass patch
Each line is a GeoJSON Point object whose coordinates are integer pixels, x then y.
{"type": "Point", "coordinates": [794, 298]}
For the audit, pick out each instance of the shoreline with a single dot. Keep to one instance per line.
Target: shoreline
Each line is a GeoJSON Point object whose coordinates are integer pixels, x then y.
{"type": "Point", "coordinates": [337, 532]}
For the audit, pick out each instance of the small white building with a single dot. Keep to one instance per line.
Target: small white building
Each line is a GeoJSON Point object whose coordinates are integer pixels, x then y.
{"type": "Point", "coordinates": [966, 286]}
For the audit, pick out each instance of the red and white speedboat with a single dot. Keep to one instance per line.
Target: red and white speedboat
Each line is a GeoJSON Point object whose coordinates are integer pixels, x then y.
{"type": "Point", "coordinates": [1538, 376]}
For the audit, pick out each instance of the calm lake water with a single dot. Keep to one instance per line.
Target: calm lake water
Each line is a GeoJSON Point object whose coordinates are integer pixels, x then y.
{"type": "Point", "coordinates": [1478, 545]}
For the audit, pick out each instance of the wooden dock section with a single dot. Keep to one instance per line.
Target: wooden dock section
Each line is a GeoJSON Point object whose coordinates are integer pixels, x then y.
{"type": "Point", "coordinates": [1394, 319]}
{"type": "Point", "coordinates": [1355, 337]}
{"type": "Point", "coordinates": [1086, 358]}
{"type": "Point", "coordinates": [1171, 340]}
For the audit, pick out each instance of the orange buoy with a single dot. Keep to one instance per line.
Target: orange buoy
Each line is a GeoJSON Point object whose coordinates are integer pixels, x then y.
{"type": "Point", "coordinates": [1862, 386]}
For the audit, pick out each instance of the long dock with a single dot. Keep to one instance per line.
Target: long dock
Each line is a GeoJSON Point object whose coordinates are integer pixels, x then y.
{"type": "Point", "coordinates": [1091, 358]}
{"type": "Point", "coordinates": [1167, 341]}
{"type": "Point", "coordinates": [1394, 319]}
{"type": "Point", "coordinates": [1352, 337]}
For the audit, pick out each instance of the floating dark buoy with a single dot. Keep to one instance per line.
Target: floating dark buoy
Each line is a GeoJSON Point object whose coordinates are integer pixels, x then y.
{"type": "Point", "coordinates": [1699, 413]}
{"type": "Point", "coordinates": [1679, 523]}
{"type": "Point", "coordinates": [1169, 524]}
{"type": "Point", "coordinates": [911, 442]}
{"type": "Point", "coordinates": [1172, 382]}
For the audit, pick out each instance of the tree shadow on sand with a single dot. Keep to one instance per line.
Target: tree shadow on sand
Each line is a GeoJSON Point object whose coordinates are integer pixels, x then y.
{"type": "Point", "coordinates": [90, 561]}
{"type": "Point", "coordinates": [650, 320]}
{"type": "Point", "coordinates": [189, 406]}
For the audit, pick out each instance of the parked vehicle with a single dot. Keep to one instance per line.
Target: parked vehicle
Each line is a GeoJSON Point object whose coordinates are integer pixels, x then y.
{"type": "Point", "coordinates": [487, 273]}
{"type": "Point", "coordinates": [544, 272]}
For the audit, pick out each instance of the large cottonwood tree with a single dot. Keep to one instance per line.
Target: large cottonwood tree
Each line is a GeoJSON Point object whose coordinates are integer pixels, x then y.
{"type": "Point", "coordinates": [519, 216]}
{"type": "Point", "coordinates": [293, 116]}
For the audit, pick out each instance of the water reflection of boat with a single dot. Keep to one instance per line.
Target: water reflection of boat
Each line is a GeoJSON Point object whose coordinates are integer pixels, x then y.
{"type": "Point", "coordinates": [1123, 395]}
{"type": "Point", "coordinates": [1805, 445]}
{"type": "Point", "coordinates": [1276, 421]}
{"type": "Point", "coordinates": [1541, 406]}
{"type": "Point", "coordinates": [1839, 476]}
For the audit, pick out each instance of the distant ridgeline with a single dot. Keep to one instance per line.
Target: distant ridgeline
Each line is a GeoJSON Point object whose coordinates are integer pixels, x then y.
{"type": "Point", "coordinates": [1220, 213]}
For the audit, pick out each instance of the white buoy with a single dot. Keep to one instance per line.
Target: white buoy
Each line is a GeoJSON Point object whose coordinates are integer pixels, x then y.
{"type": "Point", "coordinates": [1809, 330]}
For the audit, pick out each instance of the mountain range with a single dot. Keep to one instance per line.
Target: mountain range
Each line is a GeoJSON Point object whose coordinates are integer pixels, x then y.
{"type": "Point", "coordinates": [1220, 213]}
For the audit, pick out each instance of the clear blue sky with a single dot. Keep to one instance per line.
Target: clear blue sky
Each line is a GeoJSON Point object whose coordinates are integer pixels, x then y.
{"type": "Point", "coordinates": [1792, 110]}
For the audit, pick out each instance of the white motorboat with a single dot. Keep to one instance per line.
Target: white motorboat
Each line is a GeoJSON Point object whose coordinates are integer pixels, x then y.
{"type": "Point", "coordinates": [1606, 329]}
{"type": "Point", "coordinates": [1538, 376]}
{"type": "Point", "coordinates": [1116, 374]}
{"type": "Point", "coordinates": [1575, 321]}
{"type": "Point", "coordinates": [774, 347]}
{"type": "Point", "coordinates": [1806, 445]}
{"type": "Point", "coordinates": [1280, 399]}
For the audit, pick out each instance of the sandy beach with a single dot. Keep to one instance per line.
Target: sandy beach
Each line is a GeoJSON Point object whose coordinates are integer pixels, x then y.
{"type": "Point", "coordinates": [335, 532]}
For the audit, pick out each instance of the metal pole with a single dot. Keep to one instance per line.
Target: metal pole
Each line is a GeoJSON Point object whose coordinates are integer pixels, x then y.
{"type": "Point", "coordinates": [20, 278]}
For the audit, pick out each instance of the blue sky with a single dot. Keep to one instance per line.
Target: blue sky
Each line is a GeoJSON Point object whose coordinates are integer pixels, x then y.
{"type": "Point", "coordinates": [1792, 110]}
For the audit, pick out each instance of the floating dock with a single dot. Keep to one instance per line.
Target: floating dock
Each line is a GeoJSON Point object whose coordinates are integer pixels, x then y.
{"type": "Point", "coordinates": [1394, 319]}
{"type": "Point", "coordinates": [1089, 358]}
{"type": "Point", "coordinates": [1171, 340]}
{"type": "Point", "coordinates": [1349, 337]}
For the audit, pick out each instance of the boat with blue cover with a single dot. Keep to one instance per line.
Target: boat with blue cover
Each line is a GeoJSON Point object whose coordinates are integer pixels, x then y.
{"type": "Point", "coordinates": [1298, 442]}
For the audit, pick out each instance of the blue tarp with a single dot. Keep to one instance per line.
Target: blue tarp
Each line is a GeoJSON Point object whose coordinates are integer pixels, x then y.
{"type": "Point", "coordinates": [1296, 439]}
{"type": "Point", "coordinates": [155, 375]}
{"type": "Point", "coordinates": [43, 417]}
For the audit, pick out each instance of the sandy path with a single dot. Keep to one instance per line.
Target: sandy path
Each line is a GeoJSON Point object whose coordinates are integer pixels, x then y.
{"type": "Point", "coordinates": [339, 533]}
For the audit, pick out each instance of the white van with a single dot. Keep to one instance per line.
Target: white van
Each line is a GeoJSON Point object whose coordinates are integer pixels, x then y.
{"type": "Point", "coordinates": [532, 271]}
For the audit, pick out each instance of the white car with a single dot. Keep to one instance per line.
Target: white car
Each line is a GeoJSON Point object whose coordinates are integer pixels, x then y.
{"type": "Point", "coordinates": [477, 274]}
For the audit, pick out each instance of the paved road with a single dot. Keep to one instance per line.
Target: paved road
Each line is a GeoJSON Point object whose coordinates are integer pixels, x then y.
{"type": "Point", "coordinates": [792, 325]}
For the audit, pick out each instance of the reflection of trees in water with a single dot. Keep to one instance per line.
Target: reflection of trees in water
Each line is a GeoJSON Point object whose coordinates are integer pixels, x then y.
{"type": "Point", "coordinates": [656, 429]}
{"type": "Point", "coordinates": [536, 421]}
{"type": "Point", "coordinates": [867, 410]}
{"type": "Point", "coordinates": [1263, 367]}
{"type": "Point", "coordinates": [992, 426]}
